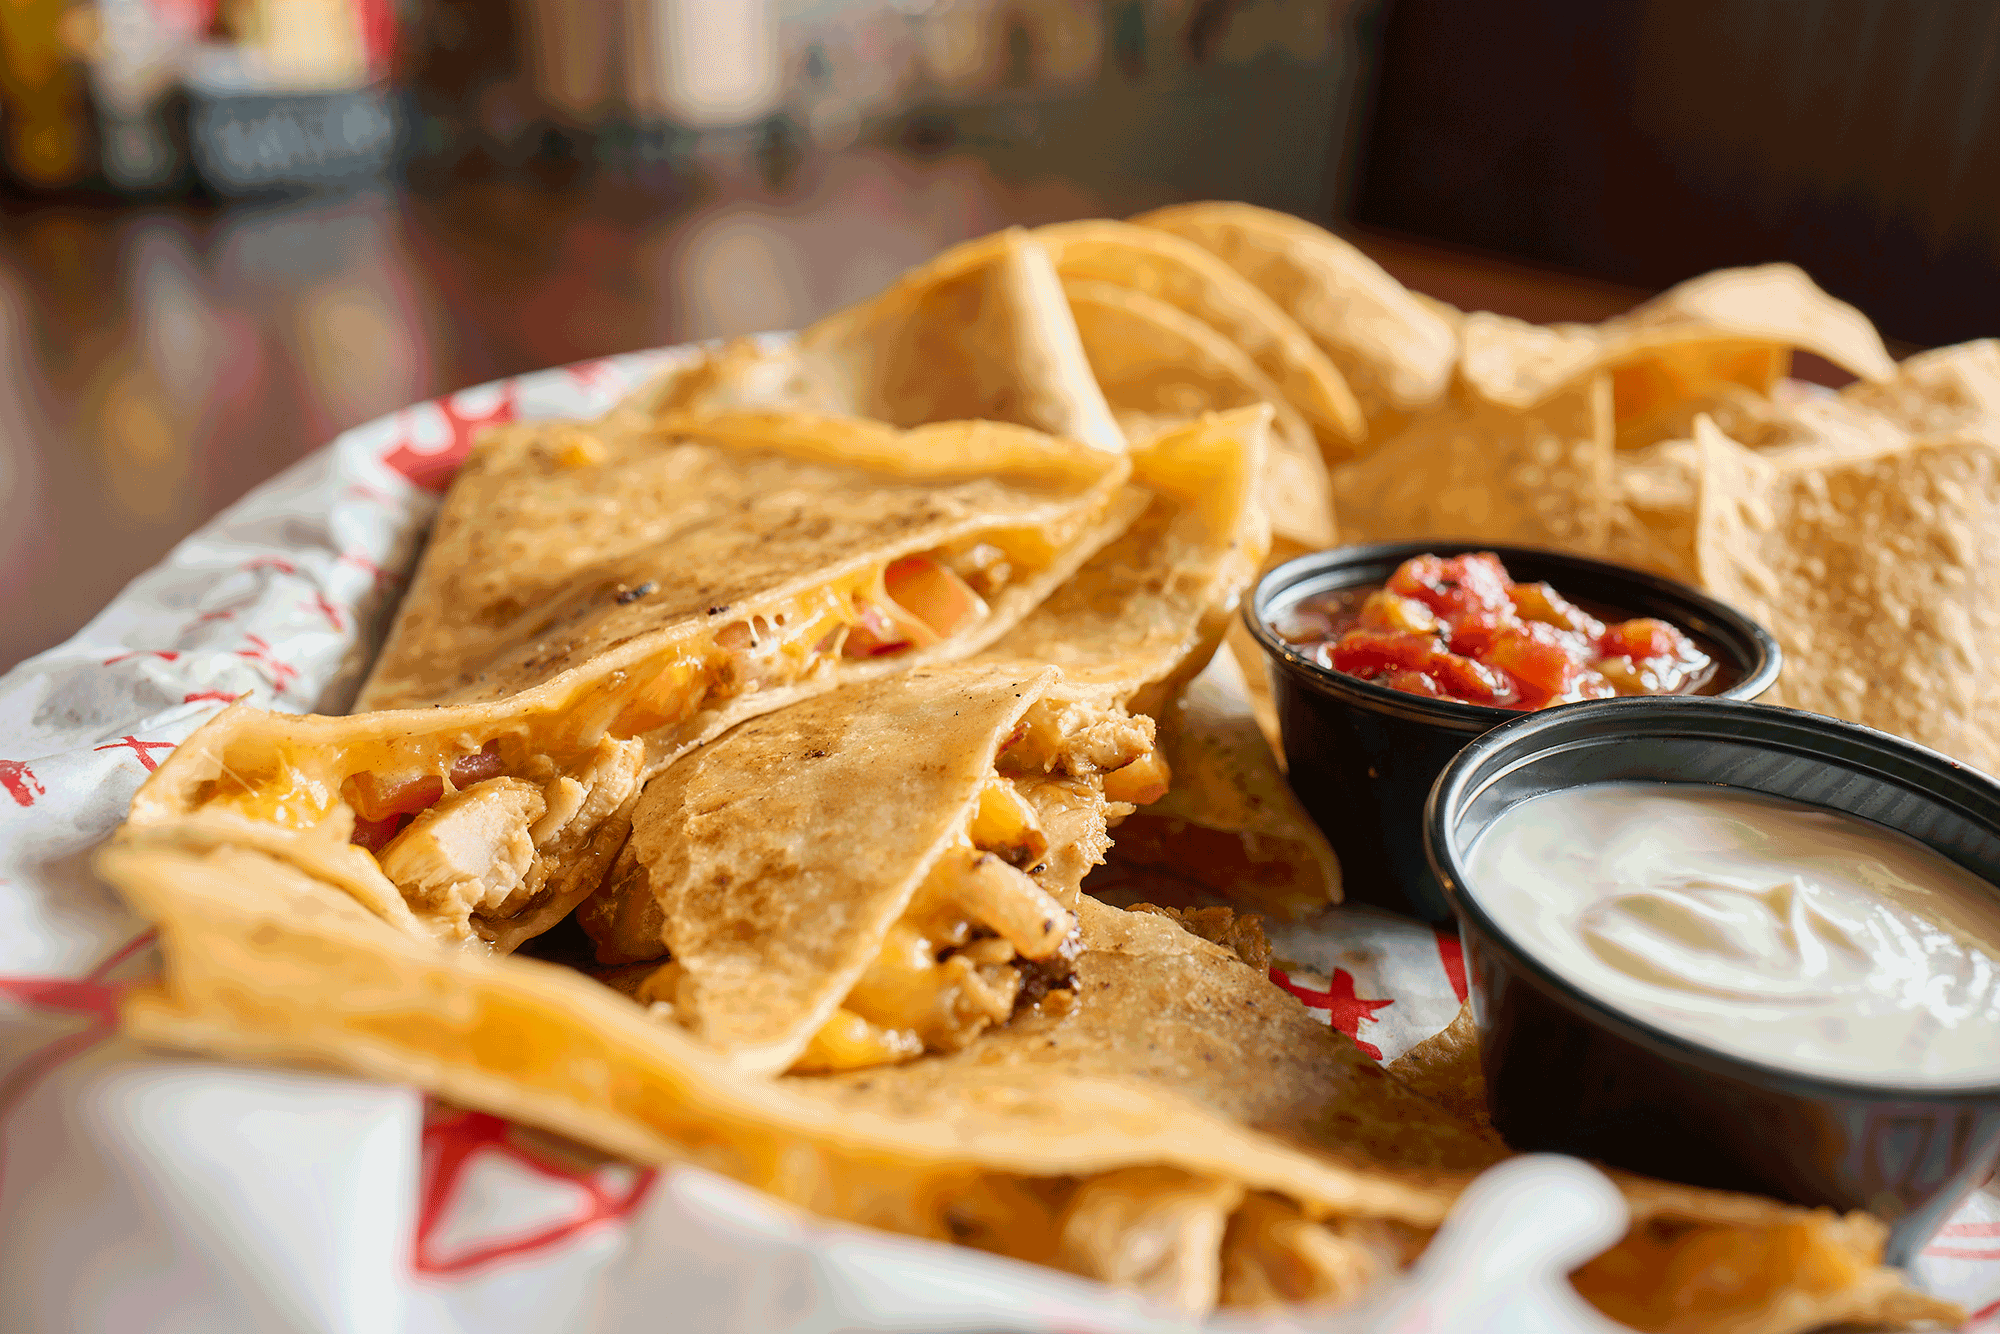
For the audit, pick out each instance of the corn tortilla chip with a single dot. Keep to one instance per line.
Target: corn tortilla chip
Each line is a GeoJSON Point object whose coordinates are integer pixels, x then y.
{"type": "Point", "coordinates": [1396, 353]}
{"type": "Point", "coordinates": [1875, 574]}
{"type": "Point", "coordinates": [1475, 471]}
{"type": "Point", "coordinates": [1943, 390]}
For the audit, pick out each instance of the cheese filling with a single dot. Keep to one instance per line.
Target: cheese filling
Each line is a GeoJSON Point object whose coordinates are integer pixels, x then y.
{"type": "Point", "coordinates": [469, 828]}
{"type": "Point", "coordinates": [991, 928]}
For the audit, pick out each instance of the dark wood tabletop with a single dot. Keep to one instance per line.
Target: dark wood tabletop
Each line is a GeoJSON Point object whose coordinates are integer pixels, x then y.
{"type": "Point", "coordinates": [157, 362]}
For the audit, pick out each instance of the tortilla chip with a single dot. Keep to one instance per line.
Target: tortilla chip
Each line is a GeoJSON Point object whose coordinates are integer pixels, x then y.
{"type": "Point", "coordinates": [1875, 575]}
{"type": "Point", "coordinates": [1194, 281]}
{"type": "Point", "coordinates": [1160, 367]}
{"type": "Point", "coordinates": [1144, 614]}
{"type": "Point", "coordinates": [1444, 1067]}
{"type": "Point", "coordinates": [1230, 823]}
{"type": "Point", "coordinates": [1933, 393]}
{"type": "Point", "coordinates": [1476, 471]}
{"type": "Point", "coordinates": [1733, 326]}
{"type": "Point", "coordinates": [1394, 351]}
{"type": "Point", "coordinates": [980, 333]}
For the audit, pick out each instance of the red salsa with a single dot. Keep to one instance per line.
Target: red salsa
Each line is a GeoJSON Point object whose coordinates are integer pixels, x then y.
{"type": "Point", "coordinates": [1462, 629]}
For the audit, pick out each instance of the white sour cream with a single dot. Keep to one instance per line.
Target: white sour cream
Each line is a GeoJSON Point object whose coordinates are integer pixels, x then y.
{"type": "Point", "coordinates": [1790, 934]}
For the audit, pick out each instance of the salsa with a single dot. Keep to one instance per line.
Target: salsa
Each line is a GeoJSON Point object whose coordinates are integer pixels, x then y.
{"type": "Point", "coordinates": [1460, 628]}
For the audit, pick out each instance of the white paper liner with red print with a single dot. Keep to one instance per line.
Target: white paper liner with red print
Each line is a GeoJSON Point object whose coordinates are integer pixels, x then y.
{"type": "Point", "coordinates": [143, 1191]}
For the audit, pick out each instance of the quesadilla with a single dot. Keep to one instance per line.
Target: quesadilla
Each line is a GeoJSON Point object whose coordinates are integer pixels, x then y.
{"type": "Point", "coordinates": [874, 873]}
{"type": "Point", "coordinates": [594, 603]}
{"type": "Point", "coordinates": [981, 332]}
{"type": "Point", "coordinates": [1238, 1124]}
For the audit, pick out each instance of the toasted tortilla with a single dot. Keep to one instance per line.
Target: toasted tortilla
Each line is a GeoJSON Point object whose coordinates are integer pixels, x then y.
{"type": "Point", "coordinates": [1230, 823]}
{"type": "Point", "coordinates": [1085, 1161]}
{"type": "Point", "coordinates": [1160, 367]}
{"type": "Point", "coordinates": [820, 876]}
{"type": "Point", "coordinates": [1189, 278]}
{"type": "Point", "coordinates": [980, 333]}
{"type": "Point", "coordinates": [595, 603]}
{"type": "Point", "coordinates": [1395, 352]}
{"type": "Point", "coordinates": [1145, 613]}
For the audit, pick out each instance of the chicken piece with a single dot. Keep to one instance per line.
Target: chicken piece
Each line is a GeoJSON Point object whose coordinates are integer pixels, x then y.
{"type": "Point", "coordinates": [469, 852]}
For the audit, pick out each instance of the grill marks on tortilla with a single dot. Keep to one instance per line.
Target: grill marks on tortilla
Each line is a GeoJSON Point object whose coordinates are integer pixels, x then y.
{"type": "Point", "coordinates": [971, 801]}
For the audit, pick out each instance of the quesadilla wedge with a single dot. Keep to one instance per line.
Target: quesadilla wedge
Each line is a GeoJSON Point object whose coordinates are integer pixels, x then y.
{"type": "Point", "coordinates": [1239, 1118]}
{"type": "Point", "coordinates": [577, 624]}
{"type": "Point", "coordinates": [1141, 623]}
{"type": "Point", "coordinates": [826, 899]}
{"type": "Point", "coordinates": [978, 333]}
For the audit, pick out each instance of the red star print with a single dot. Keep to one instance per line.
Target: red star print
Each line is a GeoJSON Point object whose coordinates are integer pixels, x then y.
{"type": "Point", "coordinates": [449, 1147]}
{"type": "Point", "coordinates": [326, 609]}
{"type": "Point", "coordinates": [269, 563]}
{"type": "Point", "coordinates": [260, 653]}
{"type": "Point", "coordinates": [164, 655]}
{"type": "Point", "coordinates": [195, 697]}
{"type": "Point", "coordinates": [20, 782]}
{"type": "Point", "coordinates": [208, 616]}
{"type": "Point", "coordinates": [432, 469]}
{"type": "Point", "coordinates": [1345, 1010]}
{"type": "Point", "coordinates": [143, 749]}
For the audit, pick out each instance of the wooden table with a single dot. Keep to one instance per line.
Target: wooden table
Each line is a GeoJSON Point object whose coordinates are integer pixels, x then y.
{"type": "Point", "coordinates": [156, 363]}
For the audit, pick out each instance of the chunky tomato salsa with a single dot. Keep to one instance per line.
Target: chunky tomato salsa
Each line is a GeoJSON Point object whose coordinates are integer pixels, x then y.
{"type": "Point", "coordinates": [1460, 628]}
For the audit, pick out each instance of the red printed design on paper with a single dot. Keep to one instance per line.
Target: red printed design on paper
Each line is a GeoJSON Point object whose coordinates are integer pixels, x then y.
{"type": "Point", "coordinates": [143, 749]}
{"type": "Point", "coordinates": [260, 652]}
{"type": "Point", "coordinates": [20, 783]}
{"type": "Point", "coordinates": [451, 1145]}
{"type": "Point", "coordinates": [383, 578]}
{"type": "Point", "coordinates": [91, 996]}
{"type": "Point", "coordinates": [278, 563]}
{"type": "Point", "coordinates": [1941, 1245]}
{"type": "Point", "coordinates": [164, 655]}
{"type": "Point", "coordinates": [593, 374]}
{"type": "Point", "coordinates": [432, 468]}
{"type": "Point", "coordinates": [1451, 954]}
{"type": "Point", "coordinates": [1345, 1011]}
{"type": "Point", "coordinates": [319, 604]}
{"type": "Point", "coordinates": [221, 696]}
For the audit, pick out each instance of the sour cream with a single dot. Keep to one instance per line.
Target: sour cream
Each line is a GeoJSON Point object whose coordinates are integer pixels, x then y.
{"type": "Point", "coordinates": [1789, 934]}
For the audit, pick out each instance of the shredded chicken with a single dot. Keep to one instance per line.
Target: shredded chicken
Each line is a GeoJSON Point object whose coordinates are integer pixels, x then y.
{"type": "Point", "coordinates": [471, 851]}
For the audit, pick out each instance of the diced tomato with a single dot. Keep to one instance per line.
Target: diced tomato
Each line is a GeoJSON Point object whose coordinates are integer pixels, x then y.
{"type": "Point", "coordinates": [375, 798]}
{"type": "Point", "coordinates": [1541, 602]}
{"type": "Point", "coordinates": [933, 594]}
{"type": "Point", "coordinates": [1375, 652]}
{"type": "Point", "coordinates": [1477, 581]}
{"type": "Point", "coordinates": [1541, 657]}
{"type": "Point", "coordinates": [1643, 637]}
{"type": "Point", "coordinates": [477, 768]}
{"type": "Point", "coordinates": [374, 835]}
{"type": "Point", "coordinates": [1413, 683]}
{"type": "Point", "coordinates": [1473, 632]}
{"type": "Point", "coordinates": [1472, 681]}
{"type": "Point", "coordinates": [1392, 611]}
{"type": "Point", "coordinates": [873, 635]}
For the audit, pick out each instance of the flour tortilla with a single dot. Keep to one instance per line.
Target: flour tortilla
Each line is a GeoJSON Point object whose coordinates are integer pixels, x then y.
{"type": "Point", "coordinates": [1037, 1154]}
{"type": "Point", "coordinates": [771, 864]}
{"type": "Point", "coordinates": [1160, 367]}
{"type": "Point", "coordinates": [1395, 352]}
{"type": "Point", "coordinates": [556, 585]}
{"type": "Point", "coordinates": [980, 333]}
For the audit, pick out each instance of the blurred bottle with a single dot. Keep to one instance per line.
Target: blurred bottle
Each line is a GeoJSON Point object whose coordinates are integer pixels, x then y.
{"type": "Point", "coordinates": [46, 140]}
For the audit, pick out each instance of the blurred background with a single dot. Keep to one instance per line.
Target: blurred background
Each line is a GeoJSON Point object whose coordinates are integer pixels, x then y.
{"type": "Point", "coordinates": [231, 228]}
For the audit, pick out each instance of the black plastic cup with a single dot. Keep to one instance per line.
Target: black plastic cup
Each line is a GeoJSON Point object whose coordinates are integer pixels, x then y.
{"type": "Point", "coordinates": [1570, 1073]}
{"type": "Point", "coordinates": [1362, 757]}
